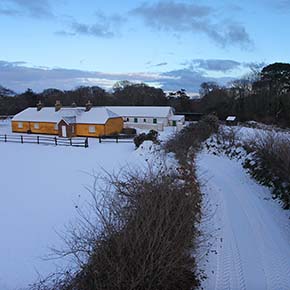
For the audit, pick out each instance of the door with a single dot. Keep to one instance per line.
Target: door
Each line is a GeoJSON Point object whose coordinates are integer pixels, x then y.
{"type": "Point", "coordinates": [63, 131]}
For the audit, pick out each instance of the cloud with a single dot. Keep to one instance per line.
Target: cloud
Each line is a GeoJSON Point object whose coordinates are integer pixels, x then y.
{"type": "Point", "coordinates": [104, 26]}
{"type": "Point", "coordinates": [217, 65]}
{"type": "Point", "coordinates": [32, 8]}
{"type": "Point", "coordinates": [160, 64]}
{"type": "Point", "coordinates": [18, 77]}
{"type": "Point", "coordinates": [184, 17]}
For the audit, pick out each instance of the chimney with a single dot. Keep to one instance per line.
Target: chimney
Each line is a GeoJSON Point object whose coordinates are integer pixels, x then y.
{"type": "Point", "coordinates": [73, 104]}
{"type": "Point", "coordinates": [88, 106]}
{"type": "Point", "coordinates": [39, 105]}
{"type": "Point", "coordinates": [57, 105]}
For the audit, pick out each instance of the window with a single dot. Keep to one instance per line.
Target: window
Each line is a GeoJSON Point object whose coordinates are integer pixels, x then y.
{"type": "Point", "coordinates": [20, 125]}
{"type": "Point", "coordinates": [55, 127]}
{"type": "Point", "coordinates": [173, 123]}
{"type": "Point", "coordinates": [154, 121]}
{"type": "Point", "coordinates": [36, 125]}
{"type": "Point", "coordinates": [144, 120]}
{"type": "Point", "coordinates": [135, 120]}
{"type": "Point", "coordinates": [73, 129]}
{"type": "Point", "coordinates": [92, 129]}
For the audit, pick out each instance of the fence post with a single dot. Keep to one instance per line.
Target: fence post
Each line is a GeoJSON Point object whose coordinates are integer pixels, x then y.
{"type": "Point", "coordinates": [55, 141]}
{"type": "Point", "coordinates": [117, 140]}
{"type": "Point", "coordinates": [100, 139]}
{"type": "Point", "coordinates": [37, 139]}
{"type": "Point", "coordinates": [21, 137]}
{"type": "Point", "coordinates": [86, 142]}
{"type": "Point", "coordinates": [5, 138]}
{"type": "Point", "coordinates": [70, 142]}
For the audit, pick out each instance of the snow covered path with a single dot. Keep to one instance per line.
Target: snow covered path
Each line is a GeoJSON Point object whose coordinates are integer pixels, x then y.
{"type": "Point", "coordinates": [249, 233]}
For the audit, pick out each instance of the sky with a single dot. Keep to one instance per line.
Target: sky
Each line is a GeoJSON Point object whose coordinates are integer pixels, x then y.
{"type": "Point", "coordinates": [169, 44]}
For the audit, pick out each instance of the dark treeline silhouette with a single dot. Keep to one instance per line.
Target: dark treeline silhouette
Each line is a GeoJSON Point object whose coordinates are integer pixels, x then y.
{"type": "Point", "coordinates": [124, 94]}
{"type": "Point", "coordinates": [262, 96]}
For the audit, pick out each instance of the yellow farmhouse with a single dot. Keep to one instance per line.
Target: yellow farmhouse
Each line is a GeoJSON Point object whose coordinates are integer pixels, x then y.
{"type": "Point", "coordinates": [68, 122]}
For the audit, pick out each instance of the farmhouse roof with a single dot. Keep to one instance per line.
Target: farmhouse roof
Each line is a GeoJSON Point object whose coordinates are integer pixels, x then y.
{"type": "Point", "coordinates": [96, 115]}
{"type": "Point", "coordinates": [142, 111]}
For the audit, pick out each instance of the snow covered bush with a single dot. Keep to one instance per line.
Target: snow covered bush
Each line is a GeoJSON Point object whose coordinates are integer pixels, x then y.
{"type": "Point", "coordinates": [269, 163]}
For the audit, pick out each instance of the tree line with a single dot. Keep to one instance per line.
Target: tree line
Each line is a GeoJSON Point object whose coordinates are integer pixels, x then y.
{"type": "Point", "coordinates": [124, 94]}
{"type": "Point", "coordinates": [262, 96]}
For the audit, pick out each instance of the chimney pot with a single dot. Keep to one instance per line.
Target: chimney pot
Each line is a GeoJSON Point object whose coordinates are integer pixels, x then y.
{"type": "Point", "coordinates": [57, 105]}
{"type": "Point", "coordinates": [88, 106]}
{"type": "Point", "coordinates": [39, 106]}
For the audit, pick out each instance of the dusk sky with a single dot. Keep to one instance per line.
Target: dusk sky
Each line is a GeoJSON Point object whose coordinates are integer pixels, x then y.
{"type": "Point", "coordinates": [170, 44]}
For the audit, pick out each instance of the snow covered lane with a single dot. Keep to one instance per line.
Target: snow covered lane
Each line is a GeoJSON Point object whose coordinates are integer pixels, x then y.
{"type": "Point", "coordinates": [248, 233]}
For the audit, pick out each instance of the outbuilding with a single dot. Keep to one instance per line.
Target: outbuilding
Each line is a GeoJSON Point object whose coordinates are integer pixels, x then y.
{"type": "Point", "coordinates": [145, 117]}
{"type": "Point", "coordinates": [69, 122]}
{"type": "Point", "coordinates": [231, 120]}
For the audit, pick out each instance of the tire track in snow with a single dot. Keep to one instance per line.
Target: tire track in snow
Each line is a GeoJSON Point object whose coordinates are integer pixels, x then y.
{"type": "Point", "coordinates": [255, 251]}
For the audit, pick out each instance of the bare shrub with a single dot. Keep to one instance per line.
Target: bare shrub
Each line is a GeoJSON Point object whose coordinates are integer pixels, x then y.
{"type": "Point", "coordinates": [152, 135]}
{"type": "Point", "coordinates": [271, 166]}
{"type": "Point", "coordinates": [191, 137]}
{"type": "Point", "coordinates": [228, 137]}
{"type": "Point", "coordinates": [141, 236]}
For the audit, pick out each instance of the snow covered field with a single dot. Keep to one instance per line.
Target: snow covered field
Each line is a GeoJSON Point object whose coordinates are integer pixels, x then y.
{"type": "Point", "coordinates": [40, 186]}
{"type": "Point", "coordinates": [248, 233]}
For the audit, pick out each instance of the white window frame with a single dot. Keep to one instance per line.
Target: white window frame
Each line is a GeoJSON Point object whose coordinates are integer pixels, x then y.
{"type": "Point", "coordinates": [55, 126]}
{"type": "Point", "coordinates": [92, 129]}
{"type": "Point", "coordinates": [20, 125]}
{"type": "Point", "coordinates": [36, 126]}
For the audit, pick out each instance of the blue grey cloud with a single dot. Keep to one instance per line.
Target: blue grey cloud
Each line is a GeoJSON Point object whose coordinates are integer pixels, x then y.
{"type": "Point", "coordinates": [105, 26]}
{"type": "Point", "coordinates": [219, 65]}
{"type": "Point", "coordinates": [184, 17]}
{"type": "Point", "coordinates": [18, 77]}
{"type": "Point", "coordinates": [32, 8]}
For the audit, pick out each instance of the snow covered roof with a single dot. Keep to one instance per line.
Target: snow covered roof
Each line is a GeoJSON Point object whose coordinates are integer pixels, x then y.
{"type": "Point", "coordinates": [142, 111]}
{"type": "Point", "coordinates": [96, 115]}
{"type": "Point", "coordinates": [177, 117]}
{"type": "Point", "coordinates": [231, 118]}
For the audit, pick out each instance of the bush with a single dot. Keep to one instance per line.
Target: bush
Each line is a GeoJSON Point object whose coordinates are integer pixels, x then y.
{"type": "Point", "coordinates": [191, 137]}
{"type": "Point", "coordinates": [152, 136]}
{"type": "Point", "coordinates": [144, 239]}
{"type": "Point", "coordinates": [270, 163]}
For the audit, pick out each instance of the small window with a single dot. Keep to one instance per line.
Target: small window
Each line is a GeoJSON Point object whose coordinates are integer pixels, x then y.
{"type": "Point", "coordinates": [55, 127]}
{"type": "Point", "coordinates": [173, 123]}
{"type": "Point", "coordinates": [154, 121]}
{"type": "Point", "coordinates": [36, 125]}
{"type": "Point", "coordinates": [135, 120]}
{"type": "Point", "coordinates": [73, 129]}
{"type": "Point", "coordinates": [20, 125]}
{"type": "Point", "coordinates": [92, 129]}
{"type": "Point", "coordinates": [144, 120]}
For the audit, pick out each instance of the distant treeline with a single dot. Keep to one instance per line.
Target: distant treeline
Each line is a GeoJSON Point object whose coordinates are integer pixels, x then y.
{"type": "Point", "coordinates": [124, 94]}
{"type": "Point", "coordinates": [263, 95]}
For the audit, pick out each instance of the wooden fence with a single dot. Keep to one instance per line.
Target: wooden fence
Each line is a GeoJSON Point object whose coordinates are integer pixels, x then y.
{"type": "Point", "coordinates": [45, 140]}
{"type": "Point", "coordinates": [123, 138]}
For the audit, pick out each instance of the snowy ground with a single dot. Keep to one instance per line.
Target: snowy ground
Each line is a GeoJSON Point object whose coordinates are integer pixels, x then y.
{"type": "Point", "coordinates": [247, 232]}
{"type": "Point", "coordinates": [40, 186]}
